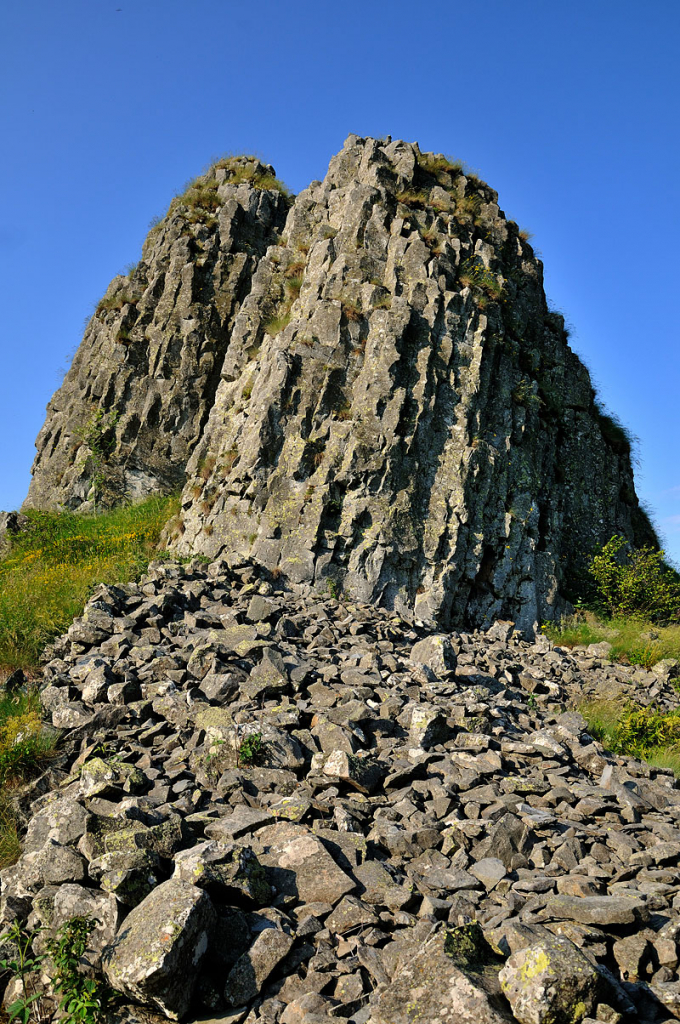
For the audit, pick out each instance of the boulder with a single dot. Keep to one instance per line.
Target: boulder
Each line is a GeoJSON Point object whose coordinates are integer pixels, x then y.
{"type": "Point", "coordinates": [157, 952]}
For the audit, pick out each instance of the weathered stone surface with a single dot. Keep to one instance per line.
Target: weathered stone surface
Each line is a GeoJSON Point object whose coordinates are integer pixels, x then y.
{"type": "Point", "coordinates": [251, 971]}
{"type": "Point", "coordinates": [502, 823]}
{"type": "Point", "coordinates": [328, 400]}
{"type": "Point", "coordinates": [158, 950]}
{"type": "Point", "coordinates": [228, 871]}
{"type": "Point", "coordinates": [430, 987]}
{"type": "Point", "coordinates": [550, 982]}
{"type": "Point", "coordinates": [144, 377]}
{"type": "Point", "coordinates": [301, 865]}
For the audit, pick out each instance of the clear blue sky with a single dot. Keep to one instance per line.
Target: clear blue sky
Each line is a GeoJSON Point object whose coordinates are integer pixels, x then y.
{"type": "Point", "coordinates": [569, 108]}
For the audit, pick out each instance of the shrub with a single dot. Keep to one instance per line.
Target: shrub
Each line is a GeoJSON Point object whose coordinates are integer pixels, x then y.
{"type": "Point", "coordinates": [351, 311]}
{"type": "Point", "coordinates": [83, 999]}
{"type": "Point", "coordinates": [642, 732]}
{"type": "Point", "coordinates": [636, 581]}
{"type": "Point", "coordinates": [251, 751]}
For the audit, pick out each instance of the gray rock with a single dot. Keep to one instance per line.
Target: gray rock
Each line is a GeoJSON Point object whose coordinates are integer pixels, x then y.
{"type": "Point", "coordinates": [436, 653]}
{"type": "Point", "coordinates": [227, 871]}
{"type": "Point", "coordinates": [158, 950]}
{"type": "Point", "coordinates": [192, 359]}
{"type": "Point", "coordinates": [429, 986]}
{"type": "Point", "coordinates": [550, 981]}
{"type": "Point", "coordinates": [251, 970]}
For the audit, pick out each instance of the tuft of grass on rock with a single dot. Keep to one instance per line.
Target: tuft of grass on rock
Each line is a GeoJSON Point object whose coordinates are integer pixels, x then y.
{"type": "Point", "coordinates": [51, 569]}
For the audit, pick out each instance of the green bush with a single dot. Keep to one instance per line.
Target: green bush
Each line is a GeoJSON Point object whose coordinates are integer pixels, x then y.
{"type": "Point", "coordinates": [636, 582]}
{"type": "Point", "coordinates": [251, 751]}
{"type": "Point", "coordinates": [642, 732]}
{"type": "Point", "coordinates": [83, 999]}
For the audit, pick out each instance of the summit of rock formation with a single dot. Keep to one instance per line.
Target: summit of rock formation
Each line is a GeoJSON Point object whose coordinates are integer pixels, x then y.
{"type": "Point", "coordinates": [363, 389]}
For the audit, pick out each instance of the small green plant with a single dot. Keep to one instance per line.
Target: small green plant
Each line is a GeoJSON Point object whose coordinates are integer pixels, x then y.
{"type": "Point", "coordinates": [417, 198]}
{"type": "Point", "coordinates": [473, 274]}
{"type": "Point", "coordinates": [531, 701]}
{"type": "Point", "coordinates": [524, 393]}
{"type": "Point", "coordinates": [26, 966]}
{"type": "Point", "coordinates": [333, 590]}
{"type": "Point", "coordinates": [251, 751]}
{"type": "Point", "coordinates": [83, 999]}
{"type": "Point", "coordinates": [636, 581]}
{"type": "Point", "coordinates": [98, 435]}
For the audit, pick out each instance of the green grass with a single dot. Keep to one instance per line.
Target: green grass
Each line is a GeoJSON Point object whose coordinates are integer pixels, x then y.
{"type": "Point", "coordinates": [46, 578]}
{"type": "Point", "coordinates": [646, 733]}
{"type": "Point", "coordinates": [25, 747]}
{"type": "Point", "coordinates": [635, 641]}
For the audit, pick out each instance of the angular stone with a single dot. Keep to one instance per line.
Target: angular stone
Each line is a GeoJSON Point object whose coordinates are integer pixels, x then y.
{"type": "Point", "coordinates": [362, 773]}
{"type": "Point", "coordinates": [108, 778]}
{"type": "Point", "coordinates": [597, 910]}
{"type": "Point", "coordinates": [429, 986]}
{"type": "Point", "coordinates": [510, 840]}
{"type": "Point", "coordinates": [229, 872]}
{"type": "Point", "coordinates": [268, 678]}
{"type": "Point", "coordinates": [489, 871]}
{"type": "Point", "coordinates": [62, 820]}
{"type": "Point", "coordinates": [157, 953]}
{"type": "Point", "coordinates": [435, 653]}
{"type": "Point", "coordinates": [428, 727]}
{"type": "Point", "coordinates": [301, 866]}
{"type": "Point", "coordinates": [240, 823]}
{"type": "Point", "coordinates": [251, 970]}
{"type": "Point", "coordinates": [349, 914]}
{"type": "Point", "coordinates": [550, 981]}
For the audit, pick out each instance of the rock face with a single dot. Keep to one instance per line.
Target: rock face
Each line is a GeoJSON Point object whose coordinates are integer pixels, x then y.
{"type": "Point", "coordinates": [143, 381]}
{"type": "Point", "coordinates": [378, 401]}
{"type": "Point", "coordinates": [416, 839]}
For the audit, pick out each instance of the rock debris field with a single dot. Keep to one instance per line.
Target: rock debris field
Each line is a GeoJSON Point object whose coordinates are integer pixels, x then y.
{"type": "Point", "coordinates": [284, 808]}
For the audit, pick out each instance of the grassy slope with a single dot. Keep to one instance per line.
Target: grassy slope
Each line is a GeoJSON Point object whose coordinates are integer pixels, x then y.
{"type": "Point", "coordinates": [50, 571]}
{"type": "Point", "coordinates": [45, 581]}
{"type": "Point", "coordinates": [635, 641]}
{"type": "Point", "coordinates": [626, 728]}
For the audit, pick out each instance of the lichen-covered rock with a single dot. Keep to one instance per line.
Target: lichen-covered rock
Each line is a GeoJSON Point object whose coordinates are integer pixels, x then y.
{"type": "Point", "coordinates": [430, 986]}
{"type": "Point", "coordinates": [231, 872]}
{"type": "Point", "coordinates": [551, 982]}
{"type": "Point", "coordinates": [158, 950]}
{"type": "Point", "coordinates": [378, 400]}
{"type": "Point", "coordinates": [253, 968]}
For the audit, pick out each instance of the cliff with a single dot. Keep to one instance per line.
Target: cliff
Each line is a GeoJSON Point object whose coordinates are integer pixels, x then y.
{"type": "Point", "coordinates": [365, 392]}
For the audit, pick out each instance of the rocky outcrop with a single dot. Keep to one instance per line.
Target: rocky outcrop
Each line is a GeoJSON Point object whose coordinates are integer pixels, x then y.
{"type": "Point", "coordinates": [281, 808]}
{"type": "Point", "coordinates": [378, 402]}
{"type": "Point", "coordinates": [142, 383]}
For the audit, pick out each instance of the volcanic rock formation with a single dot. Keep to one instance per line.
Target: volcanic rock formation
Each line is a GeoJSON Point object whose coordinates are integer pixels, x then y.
{"type": "Point", "coordinates": [366, 392]}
